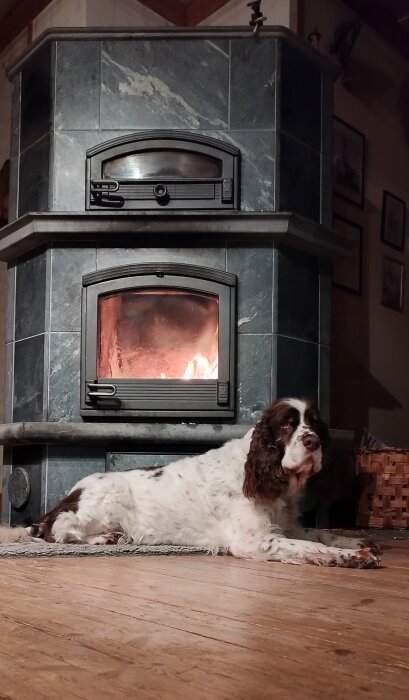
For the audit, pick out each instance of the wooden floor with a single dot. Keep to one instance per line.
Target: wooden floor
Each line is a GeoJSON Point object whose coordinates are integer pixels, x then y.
{"type": "Point", "coordinates": [201, 628]}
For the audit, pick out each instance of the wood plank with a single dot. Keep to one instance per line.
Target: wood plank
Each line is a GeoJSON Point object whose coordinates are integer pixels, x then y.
{"type": "Point", "coordinates": [291, 639]}
{"type": "Point", "coordinates": [211, 627]}
{"type": "Point", "coordinates": [171, 647]}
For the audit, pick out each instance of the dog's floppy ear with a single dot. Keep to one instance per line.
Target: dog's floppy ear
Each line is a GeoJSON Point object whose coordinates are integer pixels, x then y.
{"type": "Point", "coordinates": [263, 474]}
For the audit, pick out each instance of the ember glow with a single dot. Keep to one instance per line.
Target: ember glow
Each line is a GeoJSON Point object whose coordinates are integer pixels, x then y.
{"type": "Point", "coordinates": [158, 334]}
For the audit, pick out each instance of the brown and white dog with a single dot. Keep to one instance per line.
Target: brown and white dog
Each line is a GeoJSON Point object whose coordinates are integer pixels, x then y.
{"type": "Point", "coordinates": [241, 499]}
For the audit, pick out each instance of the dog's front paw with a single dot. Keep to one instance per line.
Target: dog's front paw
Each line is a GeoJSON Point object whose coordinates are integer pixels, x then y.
{"type": "Point", "coordinates": [359, 559]}
{"type": "Point", "coordinates": [372, 545]}
{"type": "Point", "coordinates": [356, 543]}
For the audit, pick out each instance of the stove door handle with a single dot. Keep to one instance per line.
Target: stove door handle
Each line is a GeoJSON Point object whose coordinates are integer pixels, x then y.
{"type": "Point", "coordinates": [101, 390]}
{"type": "Point", "coordinates": [104, 186]}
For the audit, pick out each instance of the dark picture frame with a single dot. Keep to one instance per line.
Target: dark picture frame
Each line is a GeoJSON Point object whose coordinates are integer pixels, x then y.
{"type": "Point", "coordinates": [393, 221]}
{"type": "Point", "coordinates": [393, 281]}
{"type": "Point", "coordinates": [347, 271]}
{"type": "Point", "coordinates": [349, 162]}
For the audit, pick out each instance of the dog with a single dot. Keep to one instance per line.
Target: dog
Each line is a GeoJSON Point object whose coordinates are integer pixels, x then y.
{"type": "Point", "coordinates": [240, 499]}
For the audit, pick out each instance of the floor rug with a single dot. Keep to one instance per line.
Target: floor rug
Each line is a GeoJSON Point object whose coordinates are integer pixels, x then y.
{"type": "Point", "coordinates": [45, 549]}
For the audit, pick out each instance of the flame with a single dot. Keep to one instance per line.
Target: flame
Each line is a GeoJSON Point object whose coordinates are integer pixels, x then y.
{"type": "Point", "coordinates": [200, 367]}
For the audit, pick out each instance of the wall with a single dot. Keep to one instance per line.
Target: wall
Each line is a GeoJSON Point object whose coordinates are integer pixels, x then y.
{"type": "Point", "coordinates": [60, 14]}
{"type": "Point", "coordinates": [370, 378]}
{"type": "Point", "coordinates": [3, 292]}
{"type": "Point", "coordinates": [236, 13]}
{"type": "Point", "coordinates": [7, 56]}
{"type": "Point", "coordinates": [96, 13]}
{"type": "Point", "coordinates": [121, 13]}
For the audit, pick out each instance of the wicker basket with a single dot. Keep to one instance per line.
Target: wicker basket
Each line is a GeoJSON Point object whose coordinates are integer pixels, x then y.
{"type": "Point", "coordinates": [384, 478]}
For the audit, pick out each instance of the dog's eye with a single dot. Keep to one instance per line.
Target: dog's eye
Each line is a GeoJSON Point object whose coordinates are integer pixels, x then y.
{"type": "Point", "coordinates": [288, 424]}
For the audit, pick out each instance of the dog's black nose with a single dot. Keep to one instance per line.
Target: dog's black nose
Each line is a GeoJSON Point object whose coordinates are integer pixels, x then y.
{"type": "Point", "coordinates": [311, 442]}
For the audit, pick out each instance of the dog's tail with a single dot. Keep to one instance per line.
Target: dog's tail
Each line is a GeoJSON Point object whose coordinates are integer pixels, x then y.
{"type": "Point", "coordinates": [9, 535]}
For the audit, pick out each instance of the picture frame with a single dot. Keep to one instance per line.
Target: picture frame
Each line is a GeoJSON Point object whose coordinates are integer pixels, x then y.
{"type": "Point", "coordinates": [347, 272]}
{"type": "Point", "coordinates": [392, 283]}
{"type": "Point", "coordinates": [349, 162]}
{"type": "Point", "coordinates": [393, 221]}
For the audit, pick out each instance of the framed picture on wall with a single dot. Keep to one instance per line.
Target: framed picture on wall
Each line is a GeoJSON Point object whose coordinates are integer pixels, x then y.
{"type": "Point", "coordinates": [392, 284]}
{"type": "Point", "coordinates": [348, 271]}
{"type": "Point", "coordinates": [349, 162]}
{"type": "Point", "coordinates": [393, 220]}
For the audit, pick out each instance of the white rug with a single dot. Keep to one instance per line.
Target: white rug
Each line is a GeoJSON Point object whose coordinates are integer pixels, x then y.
{"type": "Point", "coordinates": [45, 549]}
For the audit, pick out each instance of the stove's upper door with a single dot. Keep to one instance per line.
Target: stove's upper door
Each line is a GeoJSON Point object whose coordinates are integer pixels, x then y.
{"type": "Point", "coordinates": [160, 170]}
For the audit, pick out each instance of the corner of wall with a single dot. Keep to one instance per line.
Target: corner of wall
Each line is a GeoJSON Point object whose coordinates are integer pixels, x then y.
{"type": "Point", "coordinates": [236, 13]}
{"type": "Point", "coordinates": [60, 14]}
{"type": "Point", "coordinates": [121, 13]}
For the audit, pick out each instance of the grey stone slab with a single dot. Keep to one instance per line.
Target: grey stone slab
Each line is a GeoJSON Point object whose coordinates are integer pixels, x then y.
{"type": "Point", "coordinates": [172, 83]}
{"type": "Point", "coordinates": [327, 120]}
{"type": "Point", "coordinates": [67, 465]}
{"type": "Point", "coordinates": [68, 167]}
{"type": "Point", "coordinates": [257, 166]}
{"type": "Point", "coordinates": [77, 95]}
{"type": "Point", "coordinates": [14, 185]}
{"type": "Point", "coordinates": [33, 187]}
{"type": "Point", "coordinates": [257, 170]}
{"type": "Point", "coordinates": [300, 96]}
{"type": "Point", "coordinates": [324, 393]}
{"type": "Point", "coordinates": [67, 267]}
{"type": "Point", "coordinates": [206, 257]}
{"type": "Point", "coordinates": [122, 461]}
{"type": "Point", "coordinates": [36, 97]}
{"type": "Point", "coordinates": [28, 457]}
{"type": "Point", "coordinates": [254, 375]}
{"type": "Point", "coordinates": [297, 294]}
{"type": "Point", "coordinates": [276, 252]}
{"type": "Point", "coordinates": [64, 377]}
{"type": "Point", "coordinates": [300, 179]}
{"type": "Point", "coordinates": [8, 382]}
{"type": "Point", "coordinates": [254, 269]}
{"type": "Point", "coordinates": [11, 303]}
{"type": "Point", "coordinates": [253, 83]}
{"type": "Point", "coordinates": [30, 297]}
{"type": "Point", "coordinates": [325, 303]}
{"type": "Point", "coordinates": [297, 368]}
{"type": "Point", "coordinates": [5, 474]}
{"type": "Point", "coordinates": [28, 398]}
{"type": "Point", "coordinates": [15, 117]}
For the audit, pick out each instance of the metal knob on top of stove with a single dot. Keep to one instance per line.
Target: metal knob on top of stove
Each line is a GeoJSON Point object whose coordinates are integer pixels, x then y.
{"type": "Point", "coordinates": [161, 194]}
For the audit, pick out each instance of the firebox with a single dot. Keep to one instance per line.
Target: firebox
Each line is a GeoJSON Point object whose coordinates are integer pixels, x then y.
{"type": "Point", "coordinates": [158, 339]}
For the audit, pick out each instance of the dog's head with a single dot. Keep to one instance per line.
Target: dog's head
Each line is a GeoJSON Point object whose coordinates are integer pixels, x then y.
{"type": "Point", "coordinates": [286, 448]}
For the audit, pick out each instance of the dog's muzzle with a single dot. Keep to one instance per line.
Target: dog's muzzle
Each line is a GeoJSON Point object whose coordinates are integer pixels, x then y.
{"type": "Point", "coordinates": [311, 442]}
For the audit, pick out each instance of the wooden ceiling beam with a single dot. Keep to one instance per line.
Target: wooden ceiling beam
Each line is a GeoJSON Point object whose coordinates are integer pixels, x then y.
{"type": "Point", "coordinates": [19, 18]}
